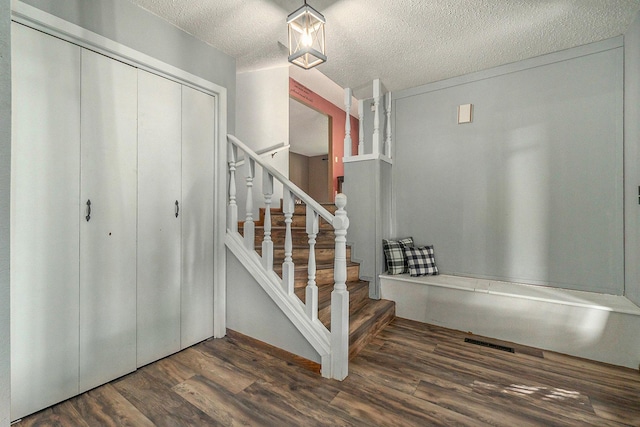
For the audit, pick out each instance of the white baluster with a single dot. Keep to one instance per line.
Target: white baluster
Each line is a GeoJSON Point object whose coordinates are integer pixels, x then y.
{"type": "Point", "coordinates": [376, 117]}
{"type": "Point", "coordinates": [232, 208]}
{"type": "Point", "coordinates": [311, 297]}
{"type": "Point", "coordinates": [287, 266]}
{"type": "Point", "coordinates": [347, 123]}
{"type": "Point", "coordinates": [361, 127]}
{"type": "Point", "coordinates": [267, 243]}
{"type": "Point", "coordinates": [249, 225]}
{"type": "Point", "coordinates": [387, 143]}
{"type": "Point", "coordinates": [340, 295]}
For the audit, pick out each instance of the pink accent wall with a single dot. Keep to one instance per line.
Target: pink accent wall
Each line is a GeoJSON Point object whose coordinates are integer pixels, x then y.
{"type": "Point", "coordinates": [338, 117]}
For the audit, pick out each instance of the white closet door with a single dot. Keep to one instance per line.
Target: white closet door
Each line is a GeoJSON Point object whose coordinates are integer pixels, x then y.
{"type": "Point", "coordinates": [159, 163]}
{"type": "Point", "coordinates": [108, 239]}
{"type": "Point", "coordinates": [198, 130]}
{"type": "Point", "coordinates": [45, 176]}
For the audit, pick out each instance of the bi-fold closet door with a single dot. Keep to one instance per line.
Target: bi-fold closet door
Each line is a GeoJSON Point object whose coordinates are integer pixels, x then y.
{"type": "Point", "coordinates": [159, 216]}
{"type": "Point", "coordinates": [73, 220]}
{"type": "Point", "coordinates": [108, 178]}
{"type": "Point", "coordinates": [175, 217]}
{"type": "Point", "coordinates": [45, 217]}
{"type": "Point", "coordinates": [104, 276]}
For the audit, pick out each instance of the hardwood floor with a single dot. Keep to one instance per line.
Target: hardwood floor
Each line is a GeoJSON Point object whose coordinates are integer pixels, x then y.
{"type": "Point", "coordinates": [411, 374]}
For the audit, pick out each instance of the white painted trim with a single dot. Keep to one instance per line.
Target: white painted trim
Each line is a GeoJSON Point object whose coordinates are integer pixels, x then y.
{"type": "Point", "coordinates": [365, 157]}
{"type": "Point", "coordinates": [551, 58]}
{"type": "Point", "coordinates": [220, 221]}
{"type": "Point", "coordinates": [314, 331]}
{"type": "Point", "coordinates": [583, 324]}
{"type": "Point", "coordinates": [552, 295]}
{"type": "Point", "coordinates": [35, 18]}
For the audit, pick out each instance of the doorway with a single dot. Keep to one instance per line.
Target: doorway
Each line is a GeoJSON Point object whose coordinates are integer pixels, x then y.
{"type": "Point", "coordinates": [310, 153]}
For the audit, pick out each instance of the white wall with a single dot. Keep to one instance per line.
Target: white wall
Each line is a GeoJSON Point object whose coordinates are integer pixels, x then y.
{"type": "Point", "coordinates": [632, 159]}
{"type": "Point", "coordinates": [5, 178]}
{"type": "Point", "coordinates": [531, 190]}
{"type": "Point", "coordinates": [262, 117]}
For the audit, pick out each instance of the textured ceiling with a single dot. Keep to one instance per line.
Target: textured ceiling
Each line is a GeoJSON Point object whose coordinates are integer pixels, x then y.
{"type": "Point", "coordinates": [405, 43]}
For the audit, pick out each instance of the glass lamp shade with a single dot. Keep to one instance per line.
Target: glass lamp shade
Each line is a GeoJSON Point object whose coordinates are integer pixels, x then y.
{"type": "Point", "coordinates": [306, 37]}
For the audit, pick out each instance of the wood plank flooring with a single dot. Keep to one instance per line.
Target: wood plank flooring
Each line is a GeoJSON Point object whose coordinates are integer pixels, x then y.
{"type": "Point", "coordinates": [411, 374]}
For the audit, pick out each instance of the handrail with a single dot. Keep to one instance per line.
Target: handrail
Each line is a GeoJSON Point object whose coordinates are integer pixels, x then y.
{"type": "Point", "coordinates": [269, 150]}
{"type": "Point", "coordinates": [322, 211]}
{"type": "Point", "coordinates": [335, 363]}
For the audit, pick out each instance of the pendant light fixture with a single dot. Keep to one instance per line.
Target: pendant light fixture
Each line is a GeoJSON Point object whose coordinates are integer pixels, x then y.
{"type": "Point", "coordinates": [306, 37]}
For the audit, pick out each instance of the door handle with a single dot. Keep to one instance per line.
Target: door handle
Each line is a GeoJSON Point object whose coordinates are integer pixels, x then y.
{"type": "Point", "coordinates": [177, 209]}
{"type": "Point", "coordinates": [88, 217]}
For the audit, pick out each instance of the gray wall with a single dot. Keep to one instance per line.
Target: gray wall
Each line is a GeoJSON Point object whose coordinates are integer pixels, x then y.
{"type": "Point", "coordinates": [252, 312]}
{"type": "Point", "coordinates": [359, 187]}
{"type": "Point", "coordinates": [5, 180]}
{"type": "Point", "coordinates": [368, 189]}
{"type": "Point", "coordinates": [319, 178]}
{"type": "Point", "coordinates": [531, 191]}
{"type": "Point", "coordinates": [632, 159]}
{"type": "Point", "coordinates": [138, 29]}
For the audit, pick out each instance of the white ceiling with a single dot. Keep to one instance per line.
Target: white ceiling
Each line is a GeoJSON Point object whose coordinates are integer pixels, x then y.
{"type": "Point", "coordinates": [404, 43]}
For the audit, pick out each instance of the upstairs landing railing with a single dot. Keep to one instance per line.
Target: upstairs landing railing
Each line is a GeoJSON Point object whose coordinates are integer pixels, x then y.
{"type": "Point", "coordinates": [333, 345]}
{"type": "Point", "coordinates": [381, 141]}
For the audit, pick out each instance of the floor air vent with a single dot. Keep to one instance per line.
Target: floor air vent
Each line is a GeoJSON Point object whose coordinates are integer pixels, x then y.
{"type": "Point", "coordinates": [490, 345]}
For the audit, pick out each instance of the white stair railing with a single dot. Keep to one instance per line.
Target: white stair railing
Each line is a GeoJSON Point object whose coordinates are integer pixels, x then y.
{"type": "Point", "coordinates": [380, 126]}
{"type": "Point", "coordinates": [333, 346]}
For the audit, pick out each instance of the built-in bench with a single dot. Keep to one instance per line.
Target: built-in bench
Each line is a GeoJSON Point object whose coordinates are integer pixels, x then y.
{"type": "Point", "coordinates": [585, 324]}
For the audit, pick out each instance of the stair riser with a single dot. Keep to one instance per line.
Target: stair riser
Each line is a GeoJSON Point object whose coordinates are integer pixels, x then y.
{"type": "Point", "coordinates": [302, 209]}
{"type": "Point", "coordinates": [357, 300]}
{"type": "Point", "coordinates": [298, 237]}
{"type": "Point", "coordinates": [277, 220]}
{"type": "Point", "coordinates": [301, 255]}
{"type": "Point", "coordinates": [325, 276]}
{"type": "Point", "coordinates": [359, 338]}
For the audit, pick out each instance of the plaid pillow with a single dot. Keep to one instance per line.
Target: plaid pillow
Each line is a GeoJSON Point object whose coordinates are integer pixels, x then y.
{"type": "Point", "coordinates": [421, 261]}
{"type": "Point", "coordinates": [395, 258]}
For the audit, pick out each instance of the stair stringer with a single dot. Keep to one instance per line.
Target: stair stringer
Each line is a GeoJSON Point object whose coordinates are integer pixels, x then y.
{"type": "Point", "coordinates": [316, 334]}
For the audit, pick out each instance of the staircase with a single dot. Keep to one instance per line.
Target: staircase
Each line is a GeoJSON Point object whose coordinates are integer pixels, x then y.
{"type": "Point", "coordinates": [366, 316]}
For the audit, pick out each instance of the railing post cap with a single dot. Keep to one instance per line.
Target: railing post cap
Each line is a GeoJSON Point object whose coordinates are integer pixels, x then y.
{"type": "Point", "coordinates": [341, 200]}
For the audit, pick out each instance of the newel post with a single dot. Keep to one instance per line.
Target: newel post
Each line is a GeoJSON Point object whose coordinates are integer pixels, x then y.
{"type": "Point", "coordinates": [340, 295]}
{"type": "Point", "coordinates": [347, 123]}
{"type": "Point", "coordinates": [232, 208]}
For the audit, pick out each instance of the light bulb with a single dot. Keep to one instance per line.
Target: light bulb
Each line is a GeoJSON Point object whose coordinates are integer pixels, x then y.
{"type": "Point", "coordinates": [306, 39]}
